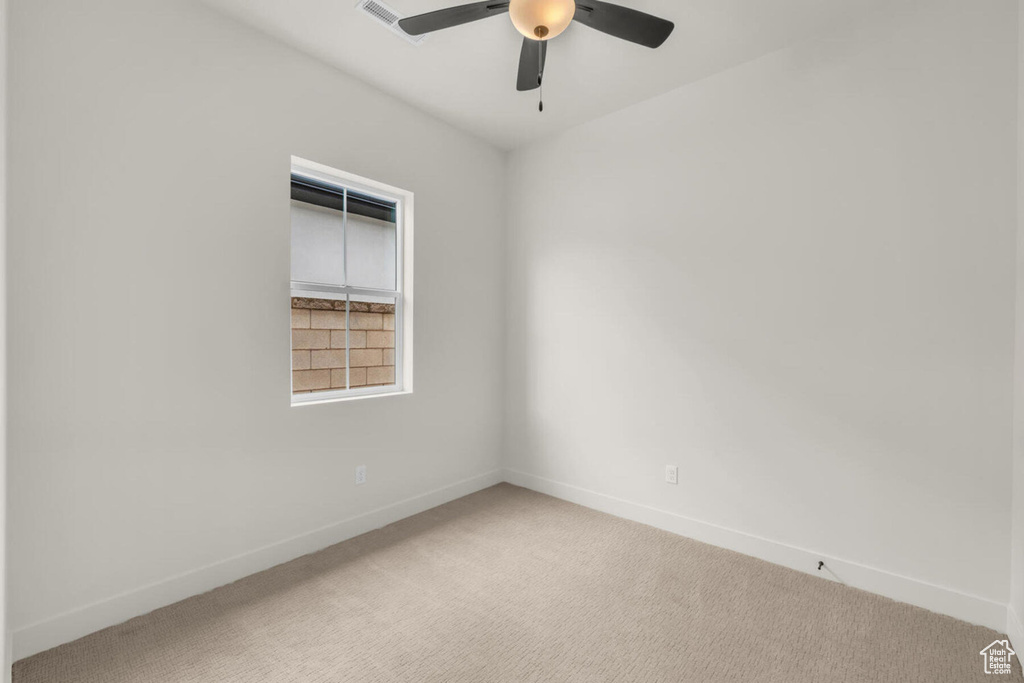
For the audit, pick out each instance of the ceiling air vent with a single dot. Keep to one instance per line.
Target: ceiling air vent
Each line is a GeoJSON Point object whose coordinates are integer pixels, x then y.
{"type": "Point", "coordinates": [383, 14]}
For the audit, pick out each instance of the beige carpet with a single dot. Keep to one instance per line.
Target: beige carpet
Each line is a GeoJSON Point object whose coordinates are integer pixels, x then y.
{"type": "Point", "coordinates": [511, 585]}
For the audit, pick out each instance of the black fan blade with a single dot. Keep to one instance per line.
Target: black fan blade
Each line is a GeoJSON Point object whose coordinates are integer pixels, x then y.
{"type": "Point", "coordinates": [452, 16]}
{"type": "Point", "coordinates": [531, 64]}
{"type": "Point", "coordinates": [622, 22]}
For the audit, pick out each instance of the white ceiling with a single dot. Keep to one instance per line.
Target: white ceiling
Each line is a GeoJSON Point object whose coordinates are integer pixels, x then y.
{"type": "Point", "coordinates": [466, 75]}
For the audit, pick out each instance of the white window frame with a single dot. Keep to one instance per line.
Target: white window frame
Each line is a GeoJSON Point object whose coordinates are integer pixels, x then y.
{"type": "Point", "coordinates": [402, 294]}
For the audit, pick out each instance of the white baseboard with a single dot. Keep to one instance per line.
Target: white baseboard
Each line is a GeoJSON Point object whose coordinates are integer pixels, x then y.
{"type": "Point", "coordinates": [970, 608]}
{"type": "Point", "coordinates": [87, 619]}
{"type": "Point", "coordinates": [82, 621]}
{"type": "Point", "coordinates": [1015, 630]}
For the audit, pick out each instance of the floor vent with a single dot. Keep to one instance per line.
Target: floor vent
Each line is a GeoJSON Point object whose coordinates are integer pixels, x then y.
{"type": "Point", "coordinates": [383, 14]}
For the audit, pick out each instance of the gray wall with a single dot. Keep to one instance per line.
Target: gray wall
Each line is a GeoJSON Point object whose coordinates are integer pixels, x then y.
{"type": "Point", "coordinates": [5, 653]}
{"type": "Point", "coordinates": [1015, 614]}
{"type": "Point", "coordinates": [151, 433]}
{"type": "Point", "coordinates": [795, 280]}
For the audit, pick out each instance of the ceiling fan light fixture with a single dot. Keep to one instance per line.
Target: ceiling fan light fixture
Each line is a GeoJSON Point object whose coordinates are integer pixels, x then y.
{"type": "Point", "coordinates": [541, 19]}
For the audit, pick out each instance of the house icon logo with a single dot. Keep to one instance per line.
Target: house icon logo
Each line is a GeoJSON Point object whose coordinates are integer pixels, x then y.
{"type": "Point", "coordinates": [997, 657]}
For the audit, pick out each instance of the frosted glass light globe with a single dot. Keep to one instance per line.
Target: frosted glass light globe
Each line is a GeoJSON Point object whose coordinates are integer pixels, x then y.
{"type": "Point", "coordinates": [541, 19]}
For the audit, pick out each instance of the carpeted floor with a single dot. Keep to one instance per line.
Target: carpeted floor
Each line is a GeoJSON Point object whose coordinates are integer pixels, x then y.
{"type": "Point", "coordinates": [510, 585]}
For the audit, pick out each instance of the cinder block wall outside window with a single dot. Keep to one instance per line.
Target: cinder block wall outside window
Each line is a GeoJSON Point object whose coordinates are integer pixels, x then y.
{"type": "Point", "coordinates": [318, 344]}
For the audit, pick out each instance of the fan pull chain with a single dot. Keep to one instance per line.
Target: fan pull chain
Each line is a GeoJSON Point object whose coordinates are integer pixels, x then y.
{"type": "Point", "coordinates": [540, 74]}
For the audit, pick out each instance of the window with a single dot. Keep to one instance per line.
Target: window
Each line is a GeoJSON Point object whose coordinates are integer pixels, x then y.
{"type": "Point", "coordinates": [351, 318]}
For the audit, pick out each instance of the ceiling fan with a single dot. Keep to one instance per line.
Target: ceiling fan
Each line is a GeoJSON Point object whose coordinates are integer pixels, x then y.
{"type": "Point", "coordinates": [541, 20]}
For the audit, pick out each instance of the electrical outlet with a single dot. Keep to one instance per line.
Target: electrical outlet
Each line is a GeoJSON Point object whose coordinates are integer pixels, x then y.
{"type": "Point", "coordinates": [360, 474]}
{"type": "Point", "coordinates": [672, 474]}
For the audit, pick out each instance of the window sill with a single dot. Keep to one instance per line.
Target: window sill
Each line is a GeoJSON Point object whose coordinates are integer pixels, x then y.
{"type": "Point", "coordinates": [336, 397]}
